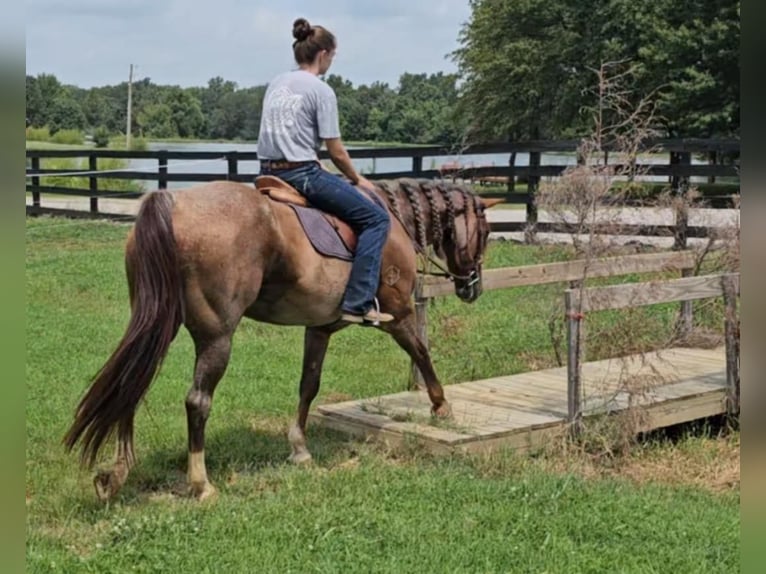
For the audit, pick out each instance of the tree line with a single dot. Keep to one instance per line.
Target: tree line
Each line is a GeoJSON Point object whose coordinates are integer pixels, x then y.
{"type": "Point", "coordinates": [419, 110]}
{"type": "Point", "coordinates": [526, 70]}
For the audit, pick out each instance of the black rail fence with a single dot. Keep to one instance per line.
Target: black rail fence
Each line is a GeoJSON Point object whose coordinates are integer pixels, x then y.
{"type": "Point", "coordinates": [715, 159]}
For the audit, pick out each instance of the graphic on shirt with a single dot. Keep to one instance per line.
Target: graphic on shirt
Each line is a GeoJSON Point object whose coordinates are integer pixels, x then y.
{"type": "Point", "coordinates": [282, 106]}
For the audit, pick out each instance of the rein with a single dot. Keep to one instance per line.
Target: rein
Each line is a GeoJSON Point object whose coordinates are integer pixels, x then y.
{"type": "Point", "coordinates": [473, 277]}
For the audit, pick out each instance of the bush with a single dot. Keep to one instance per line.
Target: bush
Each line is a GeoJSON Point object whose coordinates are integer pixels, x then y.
{"type": "Point", "coordinates": [137, 143]}
{"type": "Point", "coordinates": [38, 134]}
{"type": "Point", "coordinates": [69, 137]}
{"type": "Point", "coordinates": [101, 137]}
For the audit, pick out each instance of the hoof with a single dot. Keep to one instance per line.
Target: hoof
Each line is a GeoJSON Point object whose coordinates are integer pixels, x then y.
{"type": "Point", "coordinates": [203, 491]}
{"type": "Point", "coordinates": [443, 411]}
{"type": "Point", "coordinates": [109, 482]}
{"type": "Point", "coordinates": [301, 458]}
{"type": "Point", "coordinates": [105, 487]}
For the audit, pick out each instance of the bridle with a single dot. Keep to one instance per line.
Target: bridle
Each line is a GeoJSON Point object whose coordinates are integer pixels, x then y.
{"type": "Point", "coordinates": [473, 277]}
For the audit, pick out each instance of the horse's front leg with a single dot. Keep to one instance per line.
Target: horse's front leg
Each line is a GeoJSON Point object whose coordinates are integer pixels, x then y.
{"type": "Point", "coordinates": [316, 341]}
{"type": "Point", "coordinates": [405, 333]}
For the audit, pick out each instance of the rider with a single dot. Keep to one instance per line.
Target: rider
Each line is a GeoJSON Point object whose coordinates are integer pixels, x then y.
{"type": "Point", "coordinates": [300, 112]}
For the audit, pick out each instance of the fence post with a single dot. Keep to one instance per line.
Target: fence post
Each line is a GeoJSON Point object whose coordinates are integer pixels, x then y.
{"type": "Point", "coordinates": [731, 330]}
{"type": "Point", "coordinates": [574, 383]}
{"type": "Point", "coordinates": [93, 180]}
{"type": "Point", "coordinates": [417, 165]}
{"type": "Point", "coordinates": [421, 322]}
{"type": "Point", "coordinates": [36, 183]}
{"type": "Point", "coordinates": [686, 319]}
{"type": "Point", "coordinates": [162, 173]}
{"type": "Point", "coordinates": [511, 184]}
{"type": "Point", "coordinates": [680, 188]}
{"type": "Point", "coordinates": [532, 183]}
{"type": "Point", "coordinates": [712, 159]}
{"type": "Point", "coordinates": [231, 158]}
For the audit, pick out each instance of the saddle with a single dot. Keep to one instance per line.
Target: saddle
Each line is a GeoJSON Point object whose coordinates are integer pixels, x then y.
{"type": "Point", "coordinates": [328, 234]}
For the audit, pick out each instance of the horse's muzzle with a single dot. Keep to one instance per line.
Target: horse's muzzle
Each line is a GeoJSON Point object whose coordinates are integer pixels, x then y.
{"type": "Point", "coordinates": [468, 290]}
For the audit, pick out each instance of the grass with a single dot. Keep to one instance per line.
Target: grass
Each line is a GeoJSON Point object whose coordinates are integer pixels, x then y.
{"type": "Point", "coordinates": [671, 505]}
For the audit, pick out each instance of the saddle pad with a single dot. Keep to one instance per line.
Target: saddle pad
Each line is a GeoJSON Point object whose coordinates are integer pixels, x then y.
{"type": "Point", "coordinates": [321, 233]}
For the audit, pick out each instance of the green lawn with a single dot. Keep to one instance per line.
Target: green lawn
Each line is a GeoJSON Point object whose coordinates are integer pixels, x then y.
{"type": "Point", "coordinates": [360, 507]}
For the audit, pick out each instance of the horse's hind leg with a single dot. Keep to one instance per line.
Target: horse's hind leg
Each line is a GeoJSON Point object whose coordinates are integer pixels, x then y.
{"type": "Point", "coordinates": [404, 332]}
{"type": "Point", "coordinates": [315, 346]}
{"type": "Point", "coordinates": [212, 358]}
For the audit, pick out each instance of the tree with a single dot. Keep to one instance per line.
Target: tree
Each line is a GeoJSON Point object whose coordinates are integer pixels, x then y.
{"type": "Point", "coordinates": [690, 53]}
{"type": "Point", "coordinates": [528, 65]}
{"type": "Point", "coordinates": [186, 112]}
{"type": "Point", "coordinates": [65, 113]}
{"type": "Point", "coordinates": [36, 108]}
{"type": "Point", "coordinates": [513, 60]}
{"type": "Point", "coordinates": [42, 92]}
{"type": "Point", "coordinates": [157, 120]}
{"type": "Point", "coordinates": [100, 110]}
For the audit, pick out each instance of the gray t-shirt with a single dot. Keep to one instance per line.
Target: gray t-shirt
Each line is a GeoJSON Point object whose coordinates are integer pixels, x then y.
{"type": "Point", "coordinates": [299, 111]}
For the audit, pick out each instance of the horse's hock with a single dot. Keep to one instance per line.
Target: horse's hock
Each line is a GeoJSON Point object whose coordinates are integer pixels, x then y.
{"type": "Point", "coordinates": [522, 411]}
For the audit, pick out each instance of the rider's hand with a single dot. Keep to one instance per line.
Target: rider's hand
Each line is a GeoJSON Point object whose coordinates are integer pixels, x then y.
{"type": "Point", "coordinates": [366, 183]}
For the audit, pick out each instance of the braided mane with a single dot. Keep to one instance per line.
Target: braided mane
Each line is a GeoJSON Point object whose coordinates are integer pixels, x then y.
{"type": "Point", "coordinates": [425, 207]}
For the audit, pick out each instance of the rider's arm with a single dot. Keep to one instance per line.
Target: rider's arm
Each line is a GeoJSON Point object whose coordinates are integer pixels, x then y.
{"type": "Point", "coordinates": [341, 159]}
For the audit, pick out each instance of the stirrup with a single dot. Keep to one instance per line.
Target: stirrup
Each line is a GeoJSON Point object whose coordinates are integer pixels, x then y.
{"type": "Point", "coordinates": [372, 317]}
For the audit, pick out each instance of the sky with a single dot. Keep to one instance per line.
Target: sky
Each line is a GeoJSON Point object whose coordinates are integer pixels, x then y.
{"type": "Point", "coordinates": [187, 42]}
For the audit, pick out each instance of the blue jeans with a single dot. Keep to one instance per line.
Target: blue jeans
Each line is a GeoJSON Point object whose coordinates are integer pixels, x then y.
{"type": "Point", "coordinates": [370, 222]}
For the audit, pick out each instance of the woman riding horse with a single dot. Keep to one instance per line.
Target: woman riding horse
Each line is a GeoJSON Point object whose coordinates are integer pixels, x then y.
{"type": "Point", "coordinates": [299, 113]}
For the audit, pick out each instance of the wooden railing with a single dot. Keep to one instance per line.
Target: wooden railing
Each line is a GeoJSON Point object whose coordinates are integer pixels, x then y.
{"type": "Point", "coordinates": [568, 271]}
{"type": "Point", "coordinates": [584, 300]}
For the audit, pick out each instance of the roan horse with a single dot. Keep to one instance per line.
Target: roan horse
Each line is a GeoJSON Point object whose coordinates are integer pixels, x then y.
{"type": "Point", "coordinates": [211, 254]}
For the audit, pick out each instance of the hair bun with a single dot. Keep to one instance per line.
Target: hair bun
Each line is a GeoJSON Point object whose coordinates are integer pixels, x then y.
{"type": "Point", "coordinates": [301, 29]}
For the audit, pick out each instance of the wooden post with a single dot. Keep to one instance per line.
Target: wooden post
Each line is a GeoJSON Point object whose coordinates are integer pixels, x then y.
{"type": "Point", "coordinates": [680, 189]}
{"type": "Point", "coordinates": [93, 180]}
{"type": "Point", "coordinates": [36, 183]}
{"type": "Point", "coordinates": [421, 320]}
{"type": "Point", "coordinates": [731, 330]}
{"type": "Point", "coordinates": [511, 184]}
{"type": "Point", "coordinates": [231, 158]}
{"type": "Point", "coordinates": [686, 318]}
{"type": "Point", "coordinates": [532, 182]}
{"type": "Point", "coordinates": [162, 180]}
{"type": "Point", "coordinates": [712, 159]}
{"type": "Point", "coordinates": [417, 165]}
{"type": "Point", "coordinates": [574, 386]}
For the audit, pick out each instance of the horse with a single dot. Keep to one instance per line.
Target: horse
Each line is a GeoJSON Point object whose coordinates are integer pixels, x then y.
{"type": "Point", "coordinates": [208, 255]}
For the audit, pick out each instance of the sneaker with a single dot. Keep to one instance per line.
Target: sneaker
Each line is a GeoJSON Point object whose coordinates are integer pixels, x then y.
{"type": "Point", "coordinates": [371, 317]}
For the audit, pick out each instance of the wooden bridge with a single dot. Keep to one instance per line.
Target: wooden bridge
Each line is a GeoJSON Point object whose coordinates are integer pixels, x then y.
{"type": "Point", "coordinates": [522, 411]}
{"type": "Point", "coordinates": [658, 389]}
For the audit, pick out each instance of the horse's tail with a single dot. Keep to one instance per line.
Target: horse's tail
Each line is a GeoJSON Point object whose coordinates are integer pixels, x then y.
{"type": "Point", "coordinates": [157, 313]}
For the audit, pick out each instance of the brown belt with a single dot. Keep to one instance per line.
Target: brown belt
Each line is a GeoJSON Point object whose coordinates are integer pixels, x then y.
{"type": "Point", "coordinates": [283, 164]}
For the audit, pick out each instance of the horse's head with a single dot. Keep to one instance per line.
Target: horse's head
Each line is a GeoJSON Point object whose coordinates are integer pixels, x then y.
{"type": "Point", "coordinates": [464, 246]}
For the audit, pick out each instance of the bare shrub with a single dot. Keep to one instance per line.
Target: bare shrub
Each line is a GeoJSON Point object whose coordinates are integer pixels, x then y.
{"type": "Point", "coordinates": [596, 203]}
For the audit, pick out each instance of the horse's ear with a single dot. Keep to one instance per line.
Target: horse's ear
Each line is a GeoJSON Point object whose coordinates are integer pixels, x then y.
{"type": "Point", "coordinates": [491, 201]}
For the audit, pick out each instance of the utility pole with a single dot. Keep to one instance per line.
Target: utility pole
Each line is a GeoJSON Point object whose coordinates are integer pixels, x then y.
{"type": "Point", "coordinates": [130, 107]}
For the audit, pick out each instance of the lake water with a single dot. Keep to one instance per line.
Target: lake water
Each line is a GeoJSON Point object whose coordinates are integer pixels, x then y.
{"type": "Point", "coordinates": [363, 165]}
